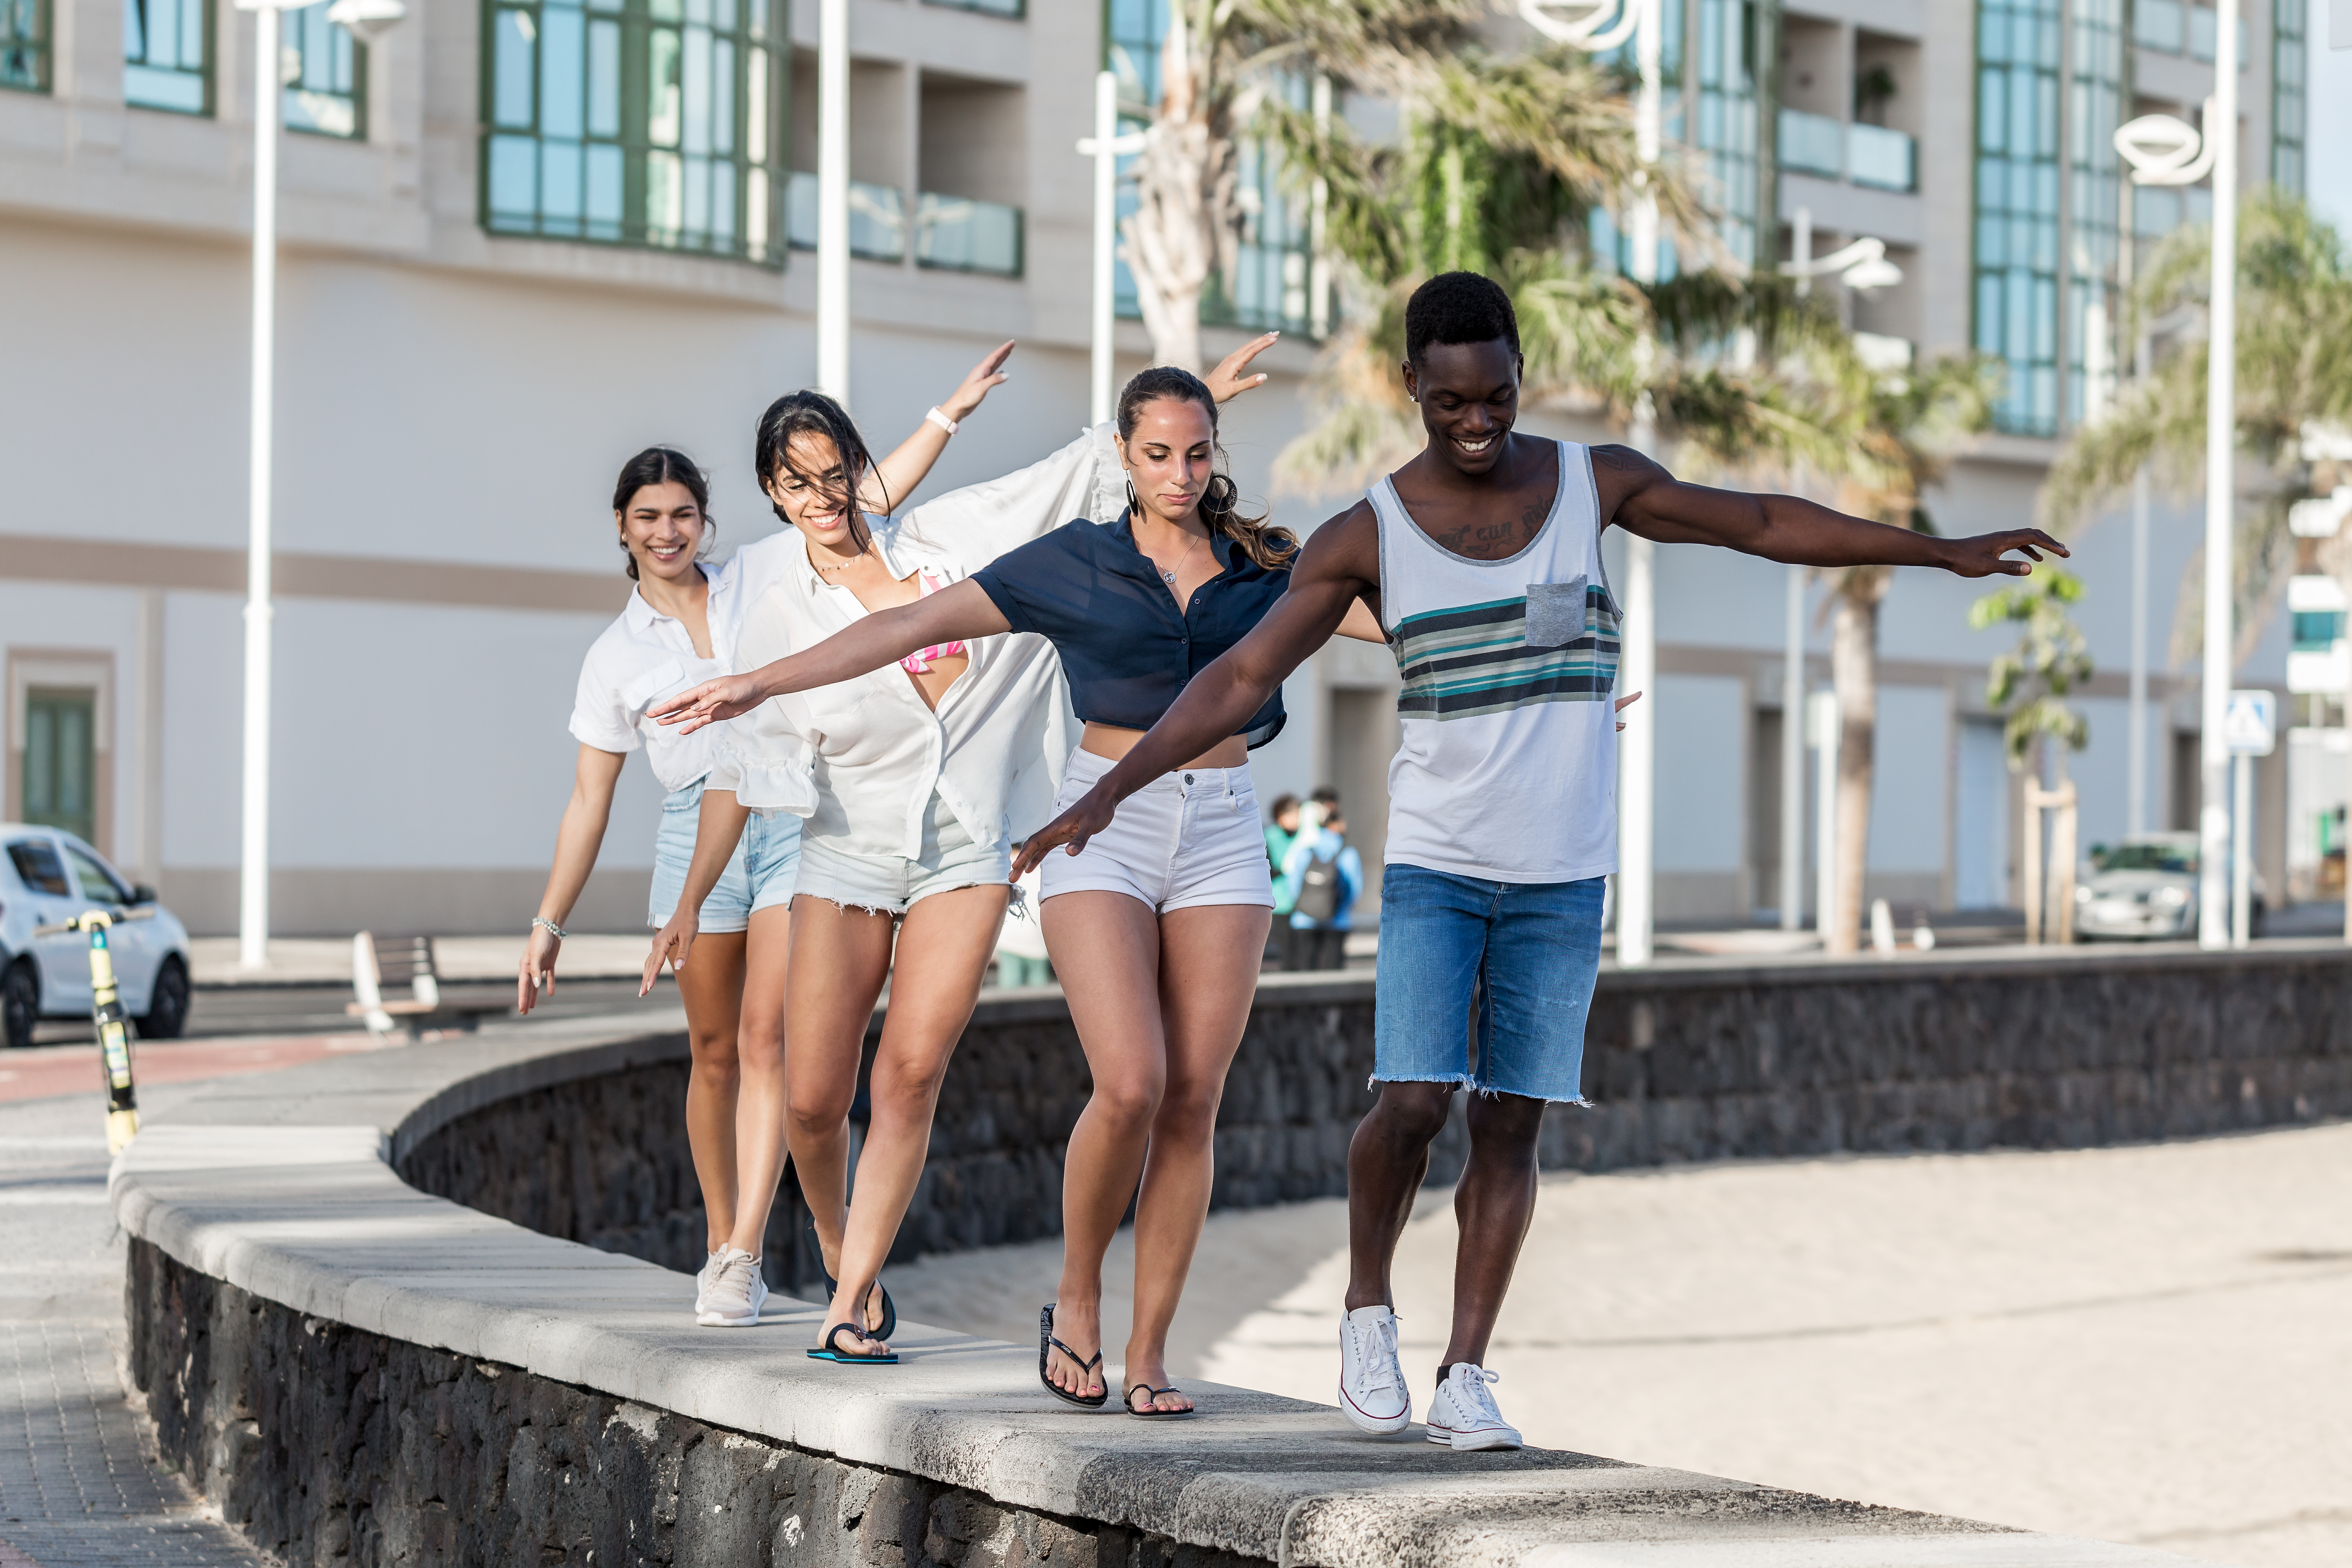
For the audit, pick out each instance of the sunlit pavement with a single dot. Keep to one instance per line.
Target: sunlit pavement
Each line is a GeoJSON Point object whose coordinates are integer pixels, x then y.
{"type": "Point", "coordinates": [2149, 1344]}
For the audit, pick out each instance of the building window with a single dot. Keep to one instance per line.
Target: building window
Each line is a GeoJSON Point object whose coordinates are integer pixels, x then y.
{"type": "Point", "coordinates": [60, 779]}
{"type": "Point", "coordinates": [645, 122]}
{"type": "Point", "coordinates": [1013, 8]}
{"type": "Point", "coordinates": [326, 75]}
{"type": "Point", "coordinates": [1274, 271]}
{"type": "Point", "coordinates": [2095, 106]}
{"type": "Point", "coordinates": [1730, 42]}
{"type": "Point", "coordinates": [25, 44]}
{"type": "Point", "coordinates": [2017, 207]}
{"type": "Point", "coordinates": [2290, 64]}
{"type": "Point", "coordinates": [167, 55]}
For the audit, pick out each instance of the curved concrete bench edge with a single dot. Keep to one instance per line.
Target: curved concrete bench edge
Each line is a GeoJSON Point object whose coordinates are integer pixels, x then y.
{"type": "Point", "coordinates": [280, 1184]}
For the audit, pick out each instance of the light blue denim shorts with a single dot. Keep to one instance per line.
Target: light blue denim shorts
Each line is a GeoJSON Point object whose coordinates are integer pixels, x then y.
{"type": "Point", "coordinates": [759, 875]}
{"type": "Point", "coordinates": [1485, 985]}
{"type": "Point", "coordinates": [892, 884]}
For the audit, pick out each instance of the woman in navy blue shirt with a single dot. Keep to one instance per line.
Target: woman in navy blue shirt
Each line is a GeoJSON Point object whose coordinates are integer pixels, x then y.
{"type": "Point", "coordinates": [1156, 929]}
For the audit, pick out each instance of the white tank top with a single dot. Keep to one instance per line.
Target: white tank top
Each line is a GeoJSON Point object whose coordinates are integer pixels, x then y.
{"type": "Point", "coordinates": [1508, 769]}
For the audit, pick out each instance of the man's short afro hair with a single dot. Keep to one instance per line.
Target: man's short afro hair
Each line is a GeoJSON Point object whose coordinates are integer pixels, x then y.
{"type": "Point", "coordinates": [1458, 308]}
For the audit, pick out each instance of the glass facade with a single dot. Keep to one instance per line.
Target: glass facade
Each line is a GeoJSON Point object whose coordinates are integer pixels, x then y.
{"type": "Point", "coordinates": [2016, 241]}
{"type": "Point", "coordinates": [2290, 66]}
{"type": "Point", "coordinates": [1732, 39]}
{"type": "Point", "coordinates": [1273, 271]}
{"type": "Point", "coordinates": [167, 55]}
{"type": "Point", "coordinates": [326, 75]}
{"type": "Point", "coordinates": [25, 44]}
{"type": "Point", "coordinates": [2095, 195]}
{"type": "Point", "coordinates": [656, 123]}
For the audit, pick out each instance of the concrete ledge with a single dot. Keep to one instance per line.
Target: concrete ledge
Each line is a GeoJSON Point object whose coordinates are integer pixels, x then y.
{"type": "Point", "coordinates": [282, 1270]}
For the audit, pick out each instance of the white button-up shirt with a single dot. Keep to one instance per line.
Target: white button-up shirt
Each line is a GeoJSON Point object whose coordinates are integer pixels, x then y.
{"type": "Point", "coordinates": [644, 655]}
{"type": "Point", "coordinates": [860, 760]}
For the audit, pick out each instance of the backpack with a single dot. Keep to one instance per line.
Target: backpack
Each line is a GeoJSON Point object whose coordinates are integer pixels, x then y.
{"type": "Point", "coordinates": [1319, 888]}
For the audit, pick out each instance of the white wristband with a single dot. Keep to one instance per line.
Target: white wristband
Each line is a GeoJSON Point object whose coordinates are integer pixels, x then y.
{"type": "Point", "coordinates": [941, 420]}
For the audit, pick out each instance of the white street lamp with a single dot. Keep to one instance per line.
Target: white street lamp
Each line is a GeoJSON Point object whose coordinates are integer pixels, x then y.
{"type": "Point", "coordinates": [371, 19]}
{"type": "Point", "coordinates": [2163, 151]}
{"type": "Point", "coordinates": [1583, 28]}
{"type": "Point", "coordinates": [832, 199]}
{"type": "Point", "coordinates": [1105, 147]}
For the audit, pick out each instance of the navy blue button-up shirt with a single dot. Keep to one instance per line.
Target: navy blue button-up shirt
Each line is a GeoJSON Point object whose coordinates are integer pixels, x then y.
{"type": "Point", "coordinates": [1126, 645]}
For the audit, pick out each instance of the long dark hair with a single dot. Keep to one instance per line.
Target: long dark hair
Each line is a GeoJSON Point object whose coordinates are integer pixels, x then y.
{"type": "Point", "coordinates": [1265, 544]}
{"type": "Point", "coordinates": [663, 466]}
{"type": "Point", "coordinates": [808, 413]}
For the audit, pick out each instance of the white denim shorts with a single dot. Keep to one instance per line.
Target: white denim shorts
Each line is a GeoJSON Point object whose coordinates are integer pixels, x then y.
{"type": "Point", "coordinates": [892, 884]}
{"type": "Point", "coordinates": [1185, 839]}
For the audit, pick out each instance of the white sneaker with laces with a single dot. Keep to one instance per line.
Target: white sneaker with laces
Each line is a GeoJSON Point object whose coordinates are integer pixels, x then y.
{"type": "Point", "coordinates": [736, 1292]}
{"type": "Point", "coordinates": [1464, 1416]}
{"type": "Point", "coordinates": [702, 1276]}
{"type": "Point", "coordinates": [1371, 1385]}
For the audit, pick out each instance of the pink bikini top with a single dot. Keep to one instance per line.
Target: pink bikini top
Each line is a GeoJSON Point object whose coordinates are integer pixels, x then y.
{"type": "Point", "coordinates": [920, 661]}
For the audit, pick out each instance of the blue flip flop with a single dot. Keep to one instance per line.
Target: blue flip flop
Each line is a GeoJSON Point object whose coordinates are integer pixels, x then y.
{"type": "Point", "coordinates": [849, 1358]}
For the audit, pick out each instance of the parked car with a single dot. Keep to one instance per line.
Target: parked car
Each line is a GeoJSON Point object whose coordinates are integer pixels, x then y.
{"type": "Point", "coordinates": [2145, 889]}
{"type": "Point", "coordinates": [47, 875]}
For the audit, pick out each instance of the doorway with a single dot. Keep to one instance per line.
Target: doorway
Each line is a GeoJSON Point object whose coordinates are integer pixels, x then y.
{"type": "Point", "coordinates": [1980, 839]}
{"type": "Point", "coordinates": [59, 782]}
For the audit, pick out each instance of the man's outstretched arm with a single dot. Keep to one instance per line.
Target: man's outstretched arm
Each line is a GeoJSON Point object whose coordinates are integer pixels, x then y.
{"type": "Point", "coordinates": [1217, 702]}
{"type": "Point", "coordinates": [1640, 496]}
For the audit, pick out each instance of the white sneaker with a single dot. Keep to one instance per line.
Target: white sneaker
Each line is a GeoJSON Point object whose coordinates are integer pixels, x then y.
{"type": "Point", "coordinates": [736, 1292]}
{"type": "Point", "coordinates": [702, 1278]}
{"type": "Point", "coordinates": [1371, 1385]}
{"type": "Point", "coordinates": [1463, 1416]}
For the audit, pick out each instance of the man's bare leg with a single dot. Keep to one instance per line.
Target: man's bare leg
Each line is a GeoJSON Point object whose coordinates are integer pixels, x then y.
{"type": "Point", "coordinates": [1493, 1204]}
{"type": "Point", "coordinates": [1388, 1158]}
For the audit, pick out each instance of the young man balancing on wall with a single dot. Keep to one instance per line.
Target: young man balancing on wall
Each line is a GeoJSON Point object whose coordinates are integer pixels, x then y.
{"type": "Point", "coordinates": [1483, 557]}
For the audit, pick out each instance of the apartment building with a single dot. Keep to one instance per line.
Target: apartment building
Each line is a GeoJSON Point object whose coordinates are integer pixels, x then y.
{"type": "Point", "coordinates": [523, 239]}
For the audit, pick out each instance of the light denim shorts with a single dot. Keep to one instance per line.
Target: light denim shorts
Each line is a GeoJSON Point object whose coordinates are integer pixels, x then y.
{"type": "Point", "coordinates": [759, 875]}
{"type": "Point", "coordinates": [892, 884]}
{"type": "Point", "coordinates": [1184, 840]}
{"type": "Point", "coordinates": [1485, 985]}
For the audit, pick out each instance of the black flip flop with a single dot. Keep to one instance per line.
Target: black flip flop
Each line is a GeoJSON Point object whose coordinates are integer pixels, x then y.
{"type": "Point", "coordinates": [849, 1358]}
{"type": "Point", "coordinates": [1047, 1344]}
{"type": "Point", "coordinates": [889, 1324]}
{"type": "Point", "coordinates": [1128, 1399]}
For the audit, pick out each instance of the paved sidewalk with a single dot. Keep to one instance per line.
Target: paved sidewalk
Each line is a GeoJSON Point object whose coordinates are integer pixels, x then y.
{"type": "Point", "coordinates": [79, 1484]}
{"type": "Point", "coordinates": [327, 961]}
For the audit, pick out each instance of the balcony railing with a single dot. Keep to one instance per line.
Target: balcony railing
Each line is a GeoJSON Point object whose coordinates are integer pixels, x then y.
{"type": "Point", "coordinates": [961, 235]}
{"type": "Point", "coordinates": [993, 8]}
{"type": "Point", "coordinates": [1864, 154]}
{"type": "Point", "coordinates": [877, 218]}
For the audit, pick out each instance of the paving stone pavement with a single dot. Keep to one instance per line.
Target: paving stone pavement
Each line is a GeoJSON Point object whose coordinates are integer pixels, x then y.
{"type": "Point", "coordinates": [80, 1486]}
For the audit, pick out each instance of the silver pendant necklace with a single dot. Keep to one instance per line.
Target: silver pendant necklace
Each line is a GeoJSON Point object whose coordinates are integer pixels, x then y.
{"type": "Point", "coordinates": [1169, 576]}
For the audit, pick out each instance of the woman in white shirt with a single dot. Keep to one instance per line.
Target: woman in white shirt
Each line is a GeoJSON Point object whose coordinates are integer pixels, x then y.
{"type": "Point", "coordinates": [680, 628]}
{"type": "Point", "coordinates": [913, 781]}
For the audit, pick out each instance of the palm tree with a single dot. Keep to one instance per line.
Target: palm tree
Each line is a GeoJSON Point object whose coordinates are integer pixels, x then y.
{"type": "Point", "coordinates": [2293, 379]}
{"type": "Point", "coordinates": [1227, 73]}
{"type": "Point", "coordinates": [2031, 682]}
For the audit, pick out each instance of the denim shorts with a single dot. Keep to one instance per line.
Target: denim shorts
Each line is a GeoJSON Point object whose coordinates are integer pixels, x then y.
{"type": "Point", "coordinates": [1485, 985]}
{"type": "Point", "coordinates": [759, 875]}
{"type": "Point", "coordinates": [892, 884]}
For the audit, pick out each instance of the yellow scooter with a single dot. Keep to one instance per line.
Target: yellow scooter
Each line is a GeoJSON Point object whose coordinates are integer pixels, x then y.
{"type": "Point", "coordinates": [106, 1012]}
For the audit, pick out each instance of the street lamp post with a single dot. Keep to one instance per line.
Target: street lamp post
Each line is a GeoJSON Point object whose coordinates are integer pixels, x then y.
{"type": "Point", "coordinates": [369, 19]}
{"type": "Point", "coordinates": [832, 199]}
{"type": "Point", "coordinates": [2163, 151]}
{"type": "Point", "coordinates": [1105, 147]}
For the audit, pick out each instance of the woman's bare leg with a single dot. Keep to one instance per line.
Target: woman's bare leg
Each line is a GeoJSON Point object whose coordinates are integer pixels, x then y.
{"type": "Point", "coordinates": [1205, 990]}
{"type": "Point", "coordinates": [839, 957]}
{"type": "Point", "coordinates": [944, 942]}
{"type": "Point", "coordinates": [712, 986]}
{"type": "Point", "coordinates": [759, 1147]}
{"type": "Point", "coordinates": [1105, 949]}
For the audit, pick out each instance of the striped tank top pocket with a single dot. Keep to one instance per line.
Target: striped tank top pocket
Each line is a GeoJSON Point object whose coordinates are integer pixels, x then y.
{"type": "Point", "coordinates": [1556, 643]}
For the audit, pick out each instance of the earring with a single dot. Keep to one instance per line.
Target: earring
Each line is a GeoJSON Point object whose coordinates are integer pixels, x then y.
{"type": "Point", "coordinates": [1134, 501]}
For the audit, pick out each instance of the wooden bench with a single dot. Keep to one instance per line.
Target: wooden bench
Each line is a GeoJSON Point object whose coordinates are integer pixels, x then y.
{"type": "Point", "coordinates": [378, 962]}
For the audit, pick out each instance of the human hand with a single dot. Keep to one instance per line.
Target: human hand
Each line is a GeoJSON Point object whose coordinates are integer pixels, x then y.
{"type": "Point", "coordinates": [725, 698]}
{"type": "Point", "coordinates": [537, 972]}
{"type": "Point", "coordinates": [1226, 381]}
{"type": "Point", "coordinates": [671, 944]}
{"type": "Point", "coordinates": [1089, 816]}
{"type": "Point", "coordinates": [989, 372]}
{"type": "Point", "coordinates": [1982, 556]}
{"type": "Point", "coordinates": [1624, 703]}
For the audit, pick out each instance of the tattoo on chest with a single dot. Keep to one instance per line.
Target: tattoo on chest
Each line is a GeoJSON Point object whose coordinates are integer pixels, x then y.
{"type": "Point", "coordinates": [1487, 541]}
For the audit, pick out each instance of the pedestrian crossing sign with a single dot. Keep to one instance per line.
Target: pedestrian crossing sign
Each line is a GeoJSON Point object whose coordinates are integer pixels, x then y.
{"type": "Point", "coordinates": [2249, 724]}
